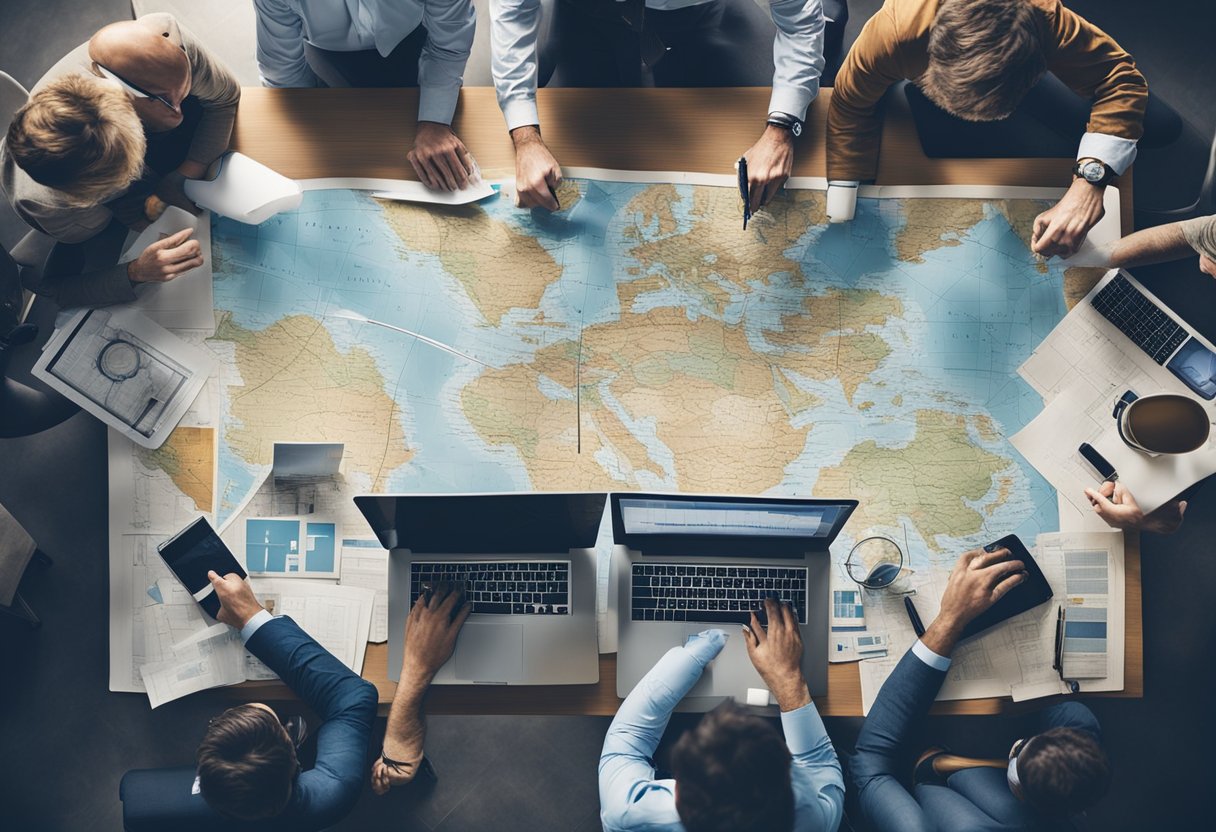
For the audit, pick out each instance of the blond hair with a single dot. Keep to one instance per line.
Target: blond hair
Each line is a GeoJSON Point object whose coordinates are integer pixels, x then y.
{"type": "Point", "coordinates": [984, 56]}
{"type": "Point", "coordinates": [79, 135]}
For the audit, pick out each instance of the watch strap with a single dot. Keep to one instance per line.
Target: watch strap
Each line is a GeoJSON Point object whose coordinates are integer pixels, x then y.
{"type": "Point", "coordinates": [786, 121]}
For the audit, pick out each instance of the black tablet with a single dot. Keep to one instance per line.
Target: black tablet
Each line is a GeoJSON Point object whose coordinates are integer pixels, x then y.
{"type": "Point", "coordinates": [1028, 594]}
{"type": "Point", "coordinates": [191, 553]}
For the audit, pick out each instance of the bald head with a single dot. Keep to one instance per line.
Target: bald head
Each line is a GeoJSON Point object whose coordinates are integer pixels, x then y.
{"type": "Point", "coordinates": [148, 58]}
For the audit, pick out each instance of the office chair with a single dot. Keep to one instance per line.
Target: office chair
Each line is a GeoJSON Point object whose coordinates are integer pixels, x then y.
{"type": "Point", "coordinates": [1203, 205]}
{"type": "Point", "coordinates": [17, 549]}
{"type": "Point", "coordinates": [156, 799]}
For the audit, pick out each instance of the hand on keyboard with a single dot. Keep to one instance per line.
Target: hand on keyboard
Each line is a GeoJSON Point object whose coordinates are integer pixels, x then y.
{"type": "Point", "coordinates": [776, 652]}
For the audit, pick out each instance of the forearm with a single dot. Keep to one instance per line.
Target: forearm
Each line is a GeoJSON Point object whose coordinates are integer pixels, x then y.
{"type": "Point", "coordinates": [903, 701]}
{"type": "Point", "coordinates": [1159, 244]}
{"type": "Point", "coordinates": [405, 733]}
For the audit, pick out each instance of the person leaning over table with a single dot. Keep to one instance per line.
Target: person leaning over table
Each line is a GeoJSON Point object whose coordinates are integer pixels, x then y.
{"type": "Point", "coordinates": [689, 28]}
{"type": "Point", "coordinates": [380, 43]}
{"type": "Point", "coordinates": [1045, 778]}
{"type": "Point", "coordinates": [1112, 501]}
{"type": "Point", "coordinates": [732, 772]}
{"type": "Point", "coordinates": [136, 111]}
{"type": "Point", "coordinates": [430, 637]}
{"type": "Point", "coordinates": [977, 59]}
{"type": "Point", "coordinates": [247, 764]}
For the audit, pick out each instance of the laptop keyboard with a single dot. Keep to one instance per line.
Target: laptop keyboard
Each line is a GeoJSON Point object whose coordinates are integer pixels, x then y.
{"type": "Point", "coordinates": [727, 594]}
{"type": "Point", "coordinates": [500, 587]}
{"type": "Point", "coordinates": [1141, 320]}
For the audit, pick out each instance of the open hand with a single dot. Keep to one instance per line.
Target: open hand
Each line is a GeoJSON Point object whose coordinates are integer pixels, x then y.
{"type": "Point", "coordinates": [537, 173]}
{"type": "Point", "coordinates": [1116, 505]}
{"type": "Point", "coordinates": [166, 259]}
{"type": "Point", "coordinates": [238, 604]}
{"type": "Point", "coordinates": [777, 654]}
{"type": "Point", "coordinates": [440, 158]}
{"type": "Point", "coordinates": [769, 163]}
{"type": "Point", "coordinates": [1060, 230]}
{"type": "Point", "coordinates": [979, 579]}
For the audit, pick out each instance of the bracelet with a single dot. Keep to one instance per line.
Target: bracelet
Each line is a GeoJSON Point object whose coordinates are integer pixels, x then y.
{"type": "Point", "coordinates": [786, 121]}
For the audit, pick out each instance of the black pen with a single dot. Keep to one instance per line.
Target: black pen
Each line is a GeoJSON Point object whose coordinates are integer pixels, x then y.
{"type": "Point", "coordinates": [914, 617]}
{"type": "Point", "coordinates": [741, 166]}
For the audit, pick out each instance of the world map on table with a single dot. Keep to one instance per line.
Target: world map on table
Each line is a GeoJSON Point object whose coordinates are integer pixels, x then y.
{"type": "Point", "coordinates": [639, 338]}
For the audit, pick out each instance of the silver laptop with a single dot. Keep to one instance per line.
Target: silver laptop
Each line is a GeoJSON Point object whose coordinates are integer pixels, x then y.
{"type": "Point", "coordinates": [527, 562]}
{"type": "Point", "coordinates": [685, 563]}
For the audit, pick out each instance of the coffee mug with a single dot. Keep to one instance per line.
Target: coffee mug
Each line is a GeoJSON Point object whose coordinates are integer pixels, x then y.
{"type": "Point", "coordinates": [1163, 423]}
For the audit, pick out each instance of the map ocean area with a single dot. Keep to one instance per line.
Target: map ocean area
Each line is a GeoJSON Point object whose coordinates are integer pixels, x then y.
{"type": "Point", "coordinates": [640, 339]}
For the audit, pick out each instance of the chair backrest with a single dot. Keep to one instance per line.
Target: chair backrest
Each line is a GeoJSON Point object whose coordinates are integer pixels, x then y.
{"type": "Point", "coordinates": [156, 799]}
{"type": "Point", "coordinates": [12, 98]}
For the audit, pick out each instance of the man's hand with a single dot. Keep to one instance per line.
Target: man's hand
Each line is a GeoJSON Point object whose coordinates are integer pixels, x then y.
{"type": "Point", "coordinates": [166, 259]}
{"type": "Point", "coordinates": [537, 173]}
{"type": "Point", "coordinates": [978, 581]}
{"type": "Point", "coordinates": [1060, 230]}
{"type": "Point", "coordinates": [769, 163]}
{"type": "Point", "coordinates": [1116, 505]}
{"type": "Point", "coordinates": [237, 601]}
{"type": "Point", "coordinates": [431, 630]}
{"type": "Point", "coordinates": [777, 655]}
{"type": "Point", "coordinates": [440, 158]}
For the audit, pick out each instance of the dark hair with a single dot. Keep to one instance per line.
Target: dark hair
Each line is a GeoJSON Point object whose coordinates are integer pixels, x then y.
{"type": "Point", "coordinates": [984, 56]}
{"type": "Point", "coordinates": [732, 774]}
{"type": "Point", "coordinates": [246, 764]}
{"type": "Point", "coordinates": [1063, 771]}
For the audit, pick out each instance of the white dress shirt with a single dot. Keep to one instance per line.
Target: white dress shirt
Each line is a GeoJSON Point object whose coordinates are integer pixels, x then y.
{"type": "Point", "coordinates": [283, 27]}
{"type": "Point", "coordinates": [797, 54]}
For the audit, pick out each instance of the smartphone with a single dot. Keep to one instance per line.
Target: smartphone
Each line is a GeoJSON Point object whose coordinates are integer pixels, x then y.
{"type": "Point", "coordinates": [1029, 594]}
{"type": "Point", "coordinates": [194, 551]}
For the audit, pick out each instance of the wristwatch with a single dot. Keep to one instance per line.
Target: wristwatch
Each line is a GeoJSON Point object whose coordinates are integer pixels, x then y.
{"type": "Point", "coordinates": [1094, 171]}
{"type": "Point", "coordinates": [787, 121]}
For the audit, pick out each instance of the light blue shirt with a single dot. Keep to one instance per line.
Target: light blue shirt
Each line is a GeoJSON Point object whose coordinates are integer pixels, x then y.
{"type": "Point", "coordinates": [283, 27]}
{"type": "Point", "coordinates": [797, 54]}
{"type": "Point", "coordinates": [630, 797]}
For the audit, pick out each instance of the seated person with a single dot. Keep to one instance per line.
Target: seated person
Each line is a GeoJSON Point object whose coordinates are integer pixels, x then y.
{"type": "Point", "coordinates": [247, 766]}
{"type": "Point", "coordinates": [137, 110]}
{"type": "Point", "coordinates": [733, 772]}
{"type": "Point", "coordinates": [393, 43]}
{"type": "Point", "coordinates": [430, 637]}
{"type": "Point", "coordinates": [1046, 777]}
{"type": "Point", "coordinates": [603, 38]}
{"type": "Point", "coordinates": [977, 59]}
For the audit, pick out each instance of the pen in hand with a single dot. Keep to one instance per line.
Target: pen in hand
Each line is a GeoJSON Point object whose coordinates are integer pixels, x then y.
{"type": "Point", "coordinates": [741, 167]}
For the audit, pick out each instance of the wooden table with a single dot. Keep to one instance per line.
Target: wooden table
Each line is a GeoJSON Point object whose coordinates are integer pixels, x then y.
{"type": "Point", "coordinates": [355, 132]}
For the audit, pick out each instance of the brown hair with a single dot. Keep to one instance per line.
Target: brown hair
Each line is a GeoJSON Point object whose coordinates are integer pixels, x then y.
{"type": "Point", "coordinates": [246, 764]}
{"type": "Point", "coordinates": [1063, 771]}
{"type": "Point", "coordinates": [733, 774]}
{"type": "Point", "coordinates": [79, 135]}
{"type": "Point", "coordinates": [984, 56]}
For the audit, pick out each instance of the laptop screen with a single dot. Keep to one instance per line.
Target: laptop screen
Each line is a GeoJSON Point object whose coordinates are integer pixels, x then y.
{"type": "Point", "coordinates": [738, 526]}
{"type": "Point", "coordinates": [520, 523]}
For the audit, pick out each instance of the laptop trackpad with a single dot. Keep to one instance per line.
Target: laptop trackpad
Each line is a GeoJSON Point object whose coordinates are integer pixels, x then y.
{"type": "Point", "coordinates": [490, 652]}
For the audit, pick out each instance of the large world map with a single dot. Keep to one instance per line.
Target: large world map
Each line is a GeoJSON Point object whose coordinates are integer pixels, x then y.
{"type": "Point", "coordinates": [641, 339]}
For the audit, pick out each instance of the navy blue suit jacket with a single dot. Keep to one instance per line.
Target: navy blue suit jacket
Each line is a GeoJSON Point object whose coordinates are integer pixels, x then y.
{"type": "Point", "coordinates": [974, 800]}
{"type": "Point", "coordinates": [323, 795]}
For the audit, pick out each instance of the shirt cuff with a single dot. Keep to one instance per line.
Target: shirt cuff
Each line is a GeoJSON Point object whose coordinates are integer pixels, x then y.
{"type": "Point", "coordinates": [520, 112]}
{"type": "Point", "coordinates": [254, 624]}
{"type": "Point", "coordinates": [803, 728]}
{"type": "Point", "coordinates": [792, 100]}
{"type": "Point", "coordinates": [438, 104]}
{"type": "Point", "coordinates": [1117, 152]}
{"type": "Point", "coordinates": [930, 658]}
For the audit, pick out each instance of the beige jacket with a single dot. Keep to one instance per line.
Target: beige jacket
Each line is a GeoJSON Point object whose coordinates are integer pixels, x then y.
{"type": "Point", "coordinates": [893, 46]}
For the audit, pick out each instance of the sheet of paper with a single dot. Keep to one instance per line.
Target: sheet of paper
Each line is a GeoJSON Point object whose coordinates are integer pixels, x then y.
{"type": "Point", "coordinates": [852, 647]}
{"type": "Point", "coordinates": [365, 564]}
{"type": "Point", "coordinates": [209, 659]}
{"type": "Point", "coordinates": [291, 547]}
{"type": "Point", "coordinates": [126, 370]}
{"type": "Point", "coordinates": [338, 617]}
{"type": "Point", "coordinates": [404, 190]}
{"type": "Point", "coordinates": [186, 302]}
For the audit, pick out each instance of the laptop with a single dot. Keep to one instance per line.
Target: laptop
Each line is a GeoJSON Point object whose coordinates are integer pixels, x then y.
{"type": "Point", "coordinates": [527, 563]}
{"type": "Point", "coordinates": [685, 563]}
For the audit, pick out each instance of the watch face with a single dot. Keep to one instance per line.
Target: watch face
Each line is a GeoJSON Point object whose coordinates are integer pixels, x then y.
{"type": "Point", "coordinates": [796, 129]}
{"type": "Point", "coordinates": [1093, 171]}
